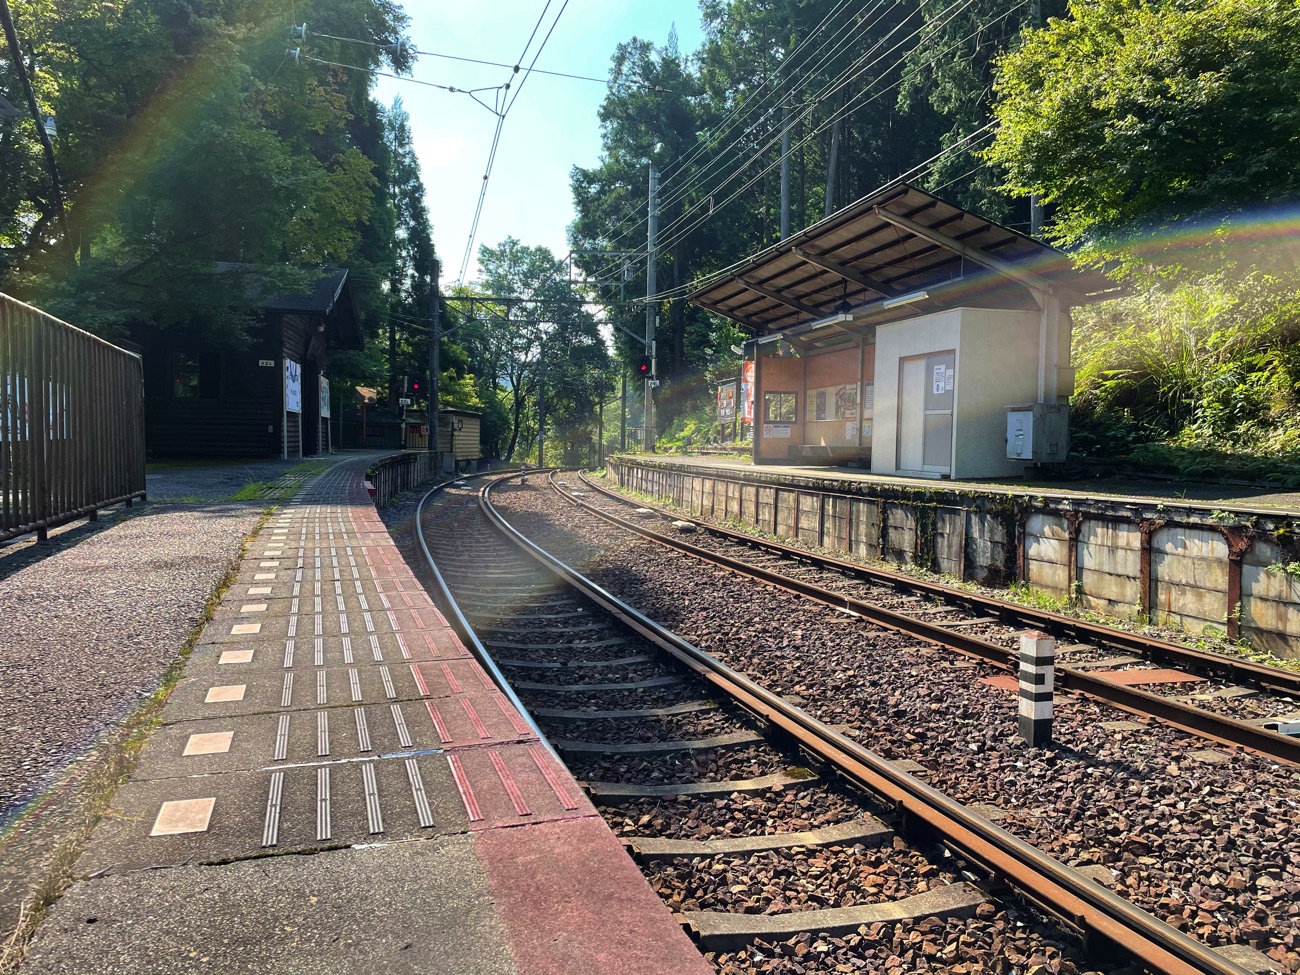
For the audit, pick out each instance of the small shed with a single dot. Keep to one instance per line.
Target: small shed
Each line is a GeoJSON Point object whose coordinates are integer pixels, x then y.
{"type": "Point", "coordinates": [459, 437]}
{"type": "Point", "coordinates": [899, 333]}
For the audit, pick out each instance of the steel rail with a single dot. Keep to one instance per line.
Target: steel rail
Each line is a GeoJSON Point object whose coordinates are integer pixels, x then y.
{"type": "Point", "coordinates": [1245, 671]}
{"type": "Point", "coordinates": [465, 630]}
{"type": "Point", "coordinates": [1081, 903]}
{"type": "Point", "coordinates": [1203, 724]}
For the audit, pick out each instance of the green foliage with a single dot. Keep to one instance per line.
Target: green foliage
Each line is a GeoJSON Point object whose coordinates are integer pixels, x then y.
{"type": "Point", "coordinates": [534, 364]}
{"type": "Point", "coordinates": [185, 139]}
{"type": "Point", "coordinates": [1129, 115]}
{"type": "Point", "coordinates": [905, 80]}
{"type": "Point", "coordinates": [1198, 376]}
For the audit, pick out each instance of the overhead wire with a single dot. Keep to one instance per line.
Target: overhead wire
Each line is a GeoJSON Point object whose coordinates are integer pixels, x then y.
{"type": "Point", "coordinates": [831, 88]}
{"type": "Point", "coordinates": [496, 136]}
{"type": "Point", "coordinates": [852, 105]}
{"type": "Point", "coordinates": [761, 108]}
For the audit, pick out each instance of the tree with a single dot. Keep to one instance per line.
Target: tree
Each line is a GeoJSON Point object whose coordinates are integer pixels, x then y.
{"type": "Point", "coordinates": [1130, 115]}
{"type": "Point", "coordinates": [188, 138]}
{"type": "Point", "coordinates": [411, 272]}
{"type": "Point", "coordinates": [547, 342]}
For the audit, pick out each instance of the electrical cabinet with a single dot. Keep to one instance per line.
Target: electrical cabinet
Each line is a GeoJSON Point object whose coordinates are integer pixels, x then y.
{"type": "Point", "coordinates": [1038, 433]}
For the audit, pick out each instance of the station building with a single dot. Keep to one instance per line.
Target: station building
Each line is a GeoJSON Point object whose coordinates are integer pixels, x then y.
{"type": "Point", "coordinates": [909, 337]}
{"type": "Point", "coordinates": [267, 399]}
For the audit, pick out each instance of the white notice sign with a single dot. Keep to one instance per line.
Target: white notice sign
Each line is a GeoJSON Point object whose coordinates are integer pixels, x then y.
{"type": "Point", "coordinates": [292, 386]}
{"type": "Point", "coordinates": [938, 380]}
{"type": "Point", "coordinates": [947, 381]}
{"type": "Point", "coordinates": [851, 430]}
{"type": "Point", "coordinates": [776, 431]}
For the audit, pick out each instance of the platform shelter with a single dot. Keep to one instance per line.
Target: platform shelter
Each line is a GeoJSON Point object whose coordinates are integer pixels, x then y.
{"type": "Point", "coordinates": [907, 335]}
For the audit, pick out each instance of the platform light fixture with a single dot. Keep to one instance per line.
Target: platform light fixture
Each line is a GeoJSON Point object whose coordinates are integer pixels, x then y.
{"type": "Point", "coordinates": [904, 299]}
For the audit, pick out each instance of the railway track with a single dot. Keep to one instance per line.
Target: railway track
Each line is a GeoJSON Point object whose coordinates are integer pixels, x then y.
{"type": "Point", "coordinates": [768, 830]}
{"type": "Point", "coordinates": [1233, 701]}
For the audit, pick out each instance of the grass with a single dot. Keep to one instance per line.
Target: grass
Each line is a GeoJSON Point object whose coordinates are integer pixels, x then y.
{"type": "Point", "coordinates": [110, 769]}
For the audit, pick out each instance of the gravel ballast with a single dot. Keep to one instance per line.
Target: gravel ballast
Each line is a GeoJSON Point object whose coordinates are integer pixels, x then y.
{"type": "Point", "coordinates": [1204, 840]}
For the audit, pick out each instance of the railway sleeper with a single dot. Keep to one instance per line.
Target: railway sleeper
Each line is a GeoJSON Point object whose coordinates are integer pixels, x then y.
{"type": "Point", "coordinates": [867, 830]}
{"type": "Point", "coordinates": [725, 931]}
{"type": "Point", "coordinates": [732, 739]}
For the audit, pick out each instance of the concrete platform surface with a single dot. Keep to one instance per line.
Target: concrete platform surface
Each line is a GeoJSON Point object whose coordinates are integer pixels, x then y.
{"type": "Point", "coordinates": [336, 785]}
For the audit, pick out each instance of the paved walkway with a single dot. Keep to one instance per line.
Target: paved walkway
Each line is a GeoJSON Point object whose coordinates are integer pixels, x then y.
{"type": "Point", "coordinates": [331, 712]}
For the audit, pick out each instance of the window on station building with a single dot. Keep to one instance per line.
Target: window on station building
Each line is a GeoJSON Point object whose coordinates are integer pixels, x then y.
{"type": "Point", "coordinates": [780, 407]}
{"type": "Point", "coordinates": [196, 376]}
{"type": "Point", "coordinates": [185, 376]}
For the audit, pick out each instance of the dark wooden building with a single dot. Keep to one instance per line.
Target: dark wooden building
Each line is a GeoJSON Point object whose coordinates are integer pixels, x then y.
{"type": "Point", "coordinates": [268, 399]}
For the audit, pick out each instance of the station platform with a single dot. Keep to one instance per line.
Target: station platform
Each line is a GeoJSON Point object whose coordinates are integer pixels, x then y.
{"type": "Point", "coordinates": [1208, 560]}
{"type": "Point", "coordinates": [1245, 499]}
{"type": "Point", "coordinates": [337, 786]}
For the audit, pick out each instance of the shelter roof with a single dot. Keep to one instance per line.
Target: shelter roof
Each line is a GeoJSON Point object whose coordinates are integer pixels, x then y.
{"type": "Point", "coordinates": [894, 254]}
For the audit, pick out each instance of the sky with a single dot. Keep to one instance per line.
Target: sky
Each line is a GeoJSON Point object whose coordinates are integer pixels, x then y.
{"type": "Point", "coordinates": [551, 128]}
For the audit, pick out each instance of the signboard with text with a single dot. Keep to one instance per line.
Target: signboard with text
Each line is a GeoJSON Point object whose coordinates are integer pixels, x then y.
{"type": "Point", "coordinates": [727, 403]}
{"type": "Point", "coordinates": [324, 397]}
{"type": "Point", "coordinates": [292, 386]}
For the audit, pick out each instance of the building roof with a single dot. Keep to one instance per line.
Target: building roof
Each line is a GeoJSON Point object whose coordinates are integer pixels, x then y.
{"type": "Point", "coordinates": [328, 295]}
{"type": "Point", "coordinates": [896, 253]}
{"type": "Point", "coordinates": [319, 298]}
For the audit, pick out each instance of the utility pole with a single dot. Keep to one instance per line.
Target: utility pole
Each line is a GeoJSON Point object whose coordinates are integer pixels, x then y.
{"type": "Point", "coordinates": [785, 168]}
{"type": "Point", "coordinates": [830, 168]}
{"type": "Point", "coordinates": [20, 68]}
{"type": "Point", "coordinates": [541, 413]}
{"type": "Point", "coordinates": [651, 285]}
{"type": "Point", "coordinates": [1035, 205]}
{"type": "Point", "coordinates": [622, 413]}
{"type": "Point", "coordinates": [435, 365]}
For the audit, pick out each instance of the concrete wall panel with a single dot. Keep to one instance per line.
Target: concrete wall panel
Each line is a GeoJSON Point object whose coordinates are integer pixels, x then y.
{"type": "Point", "coordinates": [950, 541]}
{"type": "Point", "coordinates": [835, 530]}
{"type": "Point", "coordinates": [785, 513]}
{"type": "Point", "coordinates": [809, 525]}
{"type": "Point", "coordinates": [900, 532]}
{"type": "Point", "coordinates": [1047, 553]}
{"type": "Point", "coordinates": [1110, 565]}
{"type": "Point", "coordinates": [990, 549]}
{"type": "Point", "coordinates": [866, 528]}
{"type": "Point", "coordinates": [1189, 572]}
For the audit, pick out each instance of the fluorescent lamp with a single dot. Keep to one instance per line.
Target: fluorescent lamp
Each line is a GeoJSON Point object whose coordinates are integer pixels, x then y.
{"type": "Point", "coordinates": [833, 320]}
{"type": "Point", "coordinates": [905, 299]}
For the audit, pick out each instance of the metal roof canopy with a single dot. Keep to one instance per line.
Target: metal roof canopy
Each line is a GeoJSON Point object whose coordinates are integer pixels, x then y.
{"type": "Point", "coordinates": [898, 247]}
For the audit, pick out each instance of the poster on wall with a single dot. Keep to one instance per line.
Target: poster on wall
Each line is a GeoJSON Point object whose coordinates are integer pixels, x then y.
{"type": "Point", "coordinates": [776, 431]}
{"type": "Point", "coordinates": [324, 397]}
{"type": "Point", "coordinates": [747, 391]}
{"type": "Point", "coordinates": [726, 402]}
{"type": "Point", "coordinates": [292, 386]}
{"type": "Point", "coordinates": [868, 398]}
{"type": "Point", "coordinates": [834, 402]}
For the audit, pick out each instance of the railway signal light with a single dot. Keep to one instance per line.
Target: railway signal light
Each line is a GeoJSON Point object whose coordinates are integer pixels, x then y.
{"type": "Point", "coordinates": [643, 367]}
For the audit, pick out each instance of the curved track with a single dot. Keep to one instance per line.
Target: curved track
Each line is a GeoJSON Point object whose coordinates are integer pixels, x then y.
{"type": "Point", "coordinates": [643, 714]}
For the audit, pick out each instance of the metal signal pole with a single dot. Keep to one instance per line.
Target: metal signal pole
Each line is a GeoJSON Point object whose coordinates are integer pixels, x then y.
{"type": "Point", "coordinates": [435, 365]}
{"type": "Point", "coordinates": [651, 285]}
{"type": "Point", "coordinates": [1035, 204]}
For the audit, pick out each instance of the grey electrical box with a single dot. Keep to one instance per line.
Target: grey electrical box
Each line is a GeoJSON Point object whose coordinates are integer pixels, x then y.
{"type": "Point", "coordinates": [1038, 433]}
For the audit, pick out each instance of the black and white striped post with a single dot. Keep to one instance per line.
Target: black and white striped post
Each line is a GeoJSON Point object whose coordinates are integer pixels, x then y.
{"type": "Point", "coordinates": [1037, 667]}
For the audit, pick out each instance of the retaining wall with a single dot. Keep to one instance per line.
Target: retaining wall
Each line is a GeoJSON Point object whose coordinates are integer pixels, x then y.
{"type": "Point", "coordinates": [1201, 569]}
